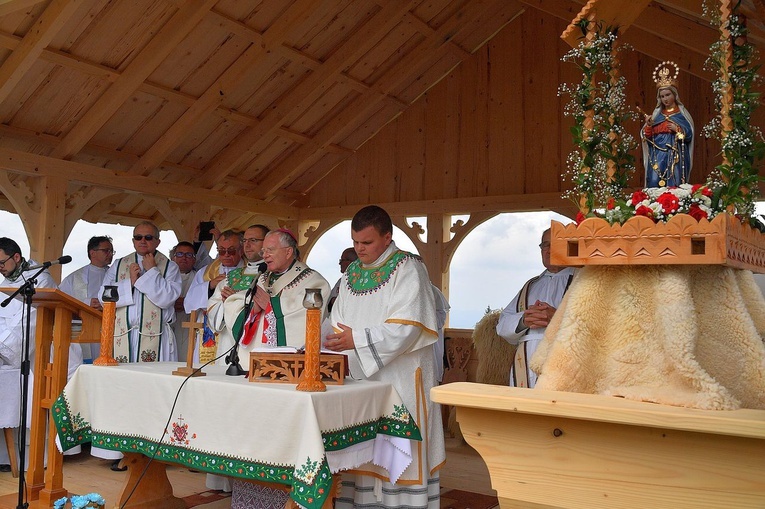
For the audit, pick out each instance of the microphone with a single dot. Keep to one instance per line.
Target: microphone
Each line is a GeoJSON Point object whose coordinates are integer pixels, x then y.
{"type": "Point", "coordinates": [262, 267]}
{"type": "Point", "coordinates": [61, 261]}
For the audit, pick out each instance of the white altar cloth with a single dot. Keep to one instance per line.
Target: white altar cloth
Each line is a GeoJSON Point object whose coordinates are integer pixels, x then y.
{"type": "Point", "coordinates": [229, 426]}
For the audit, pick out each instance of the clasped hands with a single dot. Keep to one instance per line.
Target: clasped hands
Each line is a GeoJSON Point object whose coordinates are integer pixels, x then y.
{"type": "Point", "coordinates": [148, 262]}
{"type": "Point", "coordinates": [539, 315]}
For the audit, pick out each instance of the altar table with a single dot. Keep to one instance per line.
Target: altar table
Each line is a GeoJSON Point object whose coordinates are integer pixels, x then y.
{"type": "Point", "coordinates": [228, 426]}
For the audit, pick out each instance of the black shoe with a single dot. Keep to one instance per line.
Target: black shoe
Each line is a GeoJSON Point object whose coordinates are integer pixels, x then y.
{"type": "Point", "coordinates": [5, 468]}
{"type": "Point", "coordinates": [116, 466]}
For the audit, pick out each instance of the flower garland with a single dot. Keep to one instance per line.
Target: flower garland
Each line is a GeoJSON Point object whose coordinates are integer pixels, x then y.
{"type": "Point", "coordinates": [742, 143]}
{"type": "Point", "coordinates": [602, 163]}
{"type": "Point", "coordinates": [661, 204]}
{"type": "Point", "coordinates": [81, 501]}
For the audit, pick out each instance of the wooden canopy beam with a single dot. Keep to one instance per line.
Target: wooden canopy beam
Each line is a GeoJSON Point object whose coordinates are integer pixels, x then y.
{"type": "Point", "coordinates": [16, 161]}
{"type": "Point", "coordinates": [614, 13]}
{"type": "Point", "coordinates": [455, 206]}
{"type": "Point", "coordinates": [255, 139]}
{"type": "Point", "coordinates": [15, 67]}
{"type": "Point", "coordinates": [644, 38]}
{"type": "Point", "coordinates": [152, 55]}
{"type": "Point", "coordinates": [365, 103]}
{"type": "Point", "coordinates": [218, 91]}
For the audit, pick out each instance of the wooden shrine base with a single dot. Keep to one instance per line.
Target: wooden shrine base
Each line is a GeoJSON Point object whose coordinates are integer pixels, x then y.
{"type": "Point", "coordinates": [548, 449]}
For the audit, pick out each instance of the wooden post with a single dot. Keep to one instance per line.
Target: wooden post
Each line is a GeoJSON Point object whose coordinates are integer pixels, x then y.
{"type": "Point", "coordinates": [107, 335]}
{"type": "Point", "coordinates": [310, 380]}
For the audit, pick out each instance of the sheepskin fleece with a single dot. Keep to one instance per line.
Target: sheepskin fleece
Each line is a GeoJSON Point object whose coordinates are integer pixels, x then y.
{"type": "Point", "coordinates": [688, 336]}
{"type": "Point", "coordinates": [495, 355]}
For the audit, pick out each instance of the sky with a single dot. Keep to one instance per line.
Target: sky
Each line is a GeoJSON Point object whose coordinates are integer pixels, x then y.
{"type": "Point", "coordinates": [487, 270]}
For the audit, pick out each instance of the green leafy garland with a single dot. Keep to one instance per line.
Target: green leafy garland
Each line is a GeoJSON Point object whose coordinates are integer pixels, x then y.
{"type": "Point", "coordinates": [737, 178]}
{"type": "Point", "coordinates": [607, 143]}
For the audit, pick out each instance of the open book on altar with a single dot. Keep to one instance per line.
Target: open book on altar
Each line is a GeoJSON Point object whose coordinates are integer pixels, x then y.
{"type": "Point", "coordinates": [290, 349]}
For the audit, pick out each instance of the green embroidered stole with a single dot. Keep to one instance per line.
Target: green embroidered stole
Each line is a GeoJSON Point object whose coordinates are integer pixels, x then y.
{"type": "Point", "coordinates": [151, 320]}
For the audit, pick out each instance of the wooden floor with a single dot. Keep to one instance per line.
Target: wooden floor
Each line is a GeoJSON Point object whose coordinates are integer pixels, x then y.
{"type": "Point", "coordinates": [464, 470]}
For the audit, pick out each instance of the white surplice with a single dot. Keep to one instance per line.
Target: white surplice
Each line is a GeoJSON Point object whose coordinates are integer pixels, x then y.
{"type": "Point", "coordinates": [395, 326]}
{"type": "Point", "coordinates": [549, 287]}
{"type": "Point", "coordinates": [162, 291]}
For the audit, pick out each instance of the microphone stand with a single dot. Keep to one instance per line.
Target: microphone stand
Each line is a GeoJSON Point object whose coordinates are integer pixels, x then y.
{"type": "Point", "coordinates": [234, 369]}
{"type": "Point", "coordinates": [28, 291]}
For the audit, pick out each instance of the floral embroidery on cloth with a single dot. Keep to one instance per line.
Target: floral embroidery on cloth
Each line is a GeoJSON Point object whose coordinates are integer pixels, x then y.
{"type": "Point", "coordinates": [180, 433]}
{"type": "Point", "coordinates": [269, 327]}
{"type": "Point", "coordinates": [363, 281]}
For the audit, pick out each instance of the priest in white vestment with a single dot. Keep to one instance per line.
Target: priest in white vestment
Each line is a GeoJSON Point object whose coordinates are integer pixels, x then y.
{"type": "Point", "coordinates": [148, 285]}
{"type": "Point", "coordinates": [272, 312]}
{"type": "Point", "coordinates": [524, 321]}
{"type": "Point", "coordinates": [231, 294]}
{"type": "Point", "coordinates": [385, 319]}
{"type": "Point", "coordinates": [84, 284]}
{"type": "Point", "coordinates": [15, 271]}
{"type": "Point", "coordinates": [205, 282]}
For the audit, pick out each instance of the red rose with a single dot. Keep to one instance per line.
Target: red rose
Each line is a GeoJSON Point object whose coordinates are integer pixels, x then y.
{"type": "Point", "coordinates": [580, 217]}
{"type": "Point", "coordinates": [611, 203]}
{"type": "Point", "coordinates": [642, 210]}
{"type": "Point", "coordinates": [637, 197]}
{"type": "Point", "coordinates": [669, 203]}
{"type": "Point", "coordinates": [697, 212]}
{"type": "Point", "coordinates": [705, 191]}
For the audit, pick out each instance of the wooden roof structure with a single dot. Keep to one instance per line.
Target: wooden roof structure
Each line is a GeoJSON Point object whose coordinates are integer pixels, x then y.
{"type": "Point", "coordinates": [299, 112]}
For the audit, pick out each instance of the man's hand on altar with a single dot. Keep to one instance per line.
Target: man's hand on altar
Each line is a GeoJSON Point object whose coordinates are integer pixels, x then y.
{"type": "Point", "coordinates": [96, 304]}
{"type": "Point", "coordinates": [340, 341]}
{"type": "Point", "coordinates": [539, 315]}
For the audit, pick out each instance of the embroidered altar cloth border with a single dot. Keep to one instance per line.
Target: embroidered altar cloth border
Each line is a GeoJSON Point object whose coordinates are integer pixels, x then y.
{"type": "Point", "coordinates": [229, 426]}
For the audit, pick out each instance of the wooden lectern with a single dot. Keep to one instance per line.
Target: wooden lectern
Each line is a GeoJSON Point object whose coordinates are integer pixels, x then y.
{"type": "Point", "coordinates": [53, 333]}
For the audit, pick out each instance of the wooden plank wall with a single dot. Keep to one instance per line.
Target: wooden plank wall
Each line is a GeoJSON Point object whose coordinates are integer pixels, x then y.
{"type": "Point", "coordinates": [495, 126]}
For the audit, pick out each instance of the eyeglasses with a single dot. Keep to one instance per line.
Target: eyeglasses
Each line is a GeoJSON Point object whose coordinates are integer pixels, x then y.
{"type": "Point", "coordinates": [2, 264]}
{"type": "Point", "coordinates": [231, 251]}
{"type": "Point", "coordinates": [252, 240]}
{"type": "Point", "coordinates": [271, 250]}
{"type": "Point", "coordinates": [105, 250]}
{"type": "Point", "coordinates": [544, 245]}
{"type": "Point", "coordinates": [139, 238]}
{"type": "Point", "coordinates": [185, 255]}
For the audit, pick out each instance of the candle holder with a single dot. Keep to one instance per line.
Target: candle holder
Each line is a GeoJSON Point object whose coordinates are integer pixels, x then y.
{"type": "Point", "coordinates": [110, 298]}
{"type": "Point", "coordinates": [310, 380]}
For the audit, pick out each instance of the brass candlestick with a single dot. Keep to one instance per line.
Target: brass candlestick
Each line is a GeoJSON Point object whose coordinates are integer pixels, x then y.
{"type": "Point", "coordinates": [110, 298]}
{"type": "Point", "coordinates": [310, 380]}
